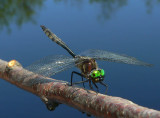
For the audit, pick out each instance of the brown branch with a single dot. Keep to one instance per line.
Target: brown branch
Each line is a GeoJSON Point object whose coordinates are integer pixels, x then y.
{"type": "Point", "coordinates": [52, 92]}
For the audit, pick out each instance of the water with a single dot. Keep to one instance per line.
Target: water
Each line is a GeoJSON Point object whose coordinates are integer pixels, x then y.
{"type": "Point", "coordinates": [125, 27]}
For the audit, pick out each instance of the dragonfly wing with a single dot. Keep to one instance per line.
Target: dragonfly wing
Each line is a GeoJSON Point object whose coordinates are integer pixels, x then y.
{"type": "Point", "coordinates": [51, 65]}
{"type": "Point", "coordinates": [113, 57]}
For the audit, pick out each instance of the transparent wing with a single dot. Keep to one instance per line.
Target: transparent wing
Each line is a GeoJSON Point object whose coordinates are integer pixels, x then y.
{"type": "Point", "coordinates": [51, 65]}
{"type": "Point", "coordinates": [113, 57]}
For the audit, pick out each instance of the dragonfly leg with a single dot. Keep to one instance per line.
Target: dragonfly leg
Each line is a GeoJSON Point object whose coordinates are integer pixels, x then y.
{"type": "Point", "coordinates": [90, 85]}
{"type": "Point", "coordinates": [105, 86]}
{"type": "Point", "coordinates": [96, 86]}
{"type": "Point", "coordinates": [74, 72]}
{"type": "Point", "coordinates": [83, 82]}
{"type": "Point", "coordinates": [80, 82]}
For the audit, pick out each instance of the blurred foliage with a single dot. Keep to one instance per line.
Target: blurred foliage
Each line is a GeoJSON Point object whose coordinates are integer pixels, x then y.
{"type": "Point", "coordinates": [22, 11]}
{"type": "Point", "coordinates": [150, 4]}
{"type": "Point", "coordinates": [109, 7]}
{"type": "Point", "coordinates": [17, 11]}
{"type": "Point", "coordinates": [77, 3]}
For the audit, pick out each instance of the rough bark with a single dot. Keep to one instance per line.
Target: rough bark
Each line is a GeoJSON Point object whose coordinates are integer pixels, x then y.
{"type": "Point", "coordinates": [53, 92]}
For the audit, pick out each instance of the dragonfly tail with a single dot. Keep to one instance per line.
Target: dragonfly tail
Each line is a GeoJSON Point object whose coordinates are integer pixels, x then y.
{"type": "Point", "coordinates": [57, 40]}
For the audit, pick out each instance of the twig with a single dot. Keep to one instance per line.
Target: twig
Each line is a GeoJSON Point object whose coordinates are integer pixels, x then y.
{"type": "Point", "coordinates": [53, 92]}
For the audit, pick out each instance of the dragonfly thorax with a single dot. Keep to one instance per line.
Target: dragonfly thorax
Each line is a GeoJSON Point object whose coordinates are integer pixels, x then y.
{"type": "Point", "coordinates": [89, 69]}
{"type": "Point", "coordinates": [86, 66]}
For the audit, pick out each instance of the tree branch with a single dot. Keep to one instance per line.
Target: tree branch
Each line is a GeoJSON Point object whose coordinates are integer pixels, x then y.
{"type": "Point", "coordinates": [53, 92]}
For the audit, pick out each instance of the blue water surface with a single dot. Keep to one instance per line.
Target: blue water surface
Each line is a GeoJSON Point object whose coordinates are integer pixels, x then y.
{"type": "Point", "coordinates": [128, 27]}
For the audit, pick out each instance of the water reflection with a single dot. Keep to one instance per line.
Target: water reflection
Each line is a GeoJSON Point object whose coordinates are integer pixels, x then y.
{"type": "Point", "coordinates": [109, 7]}
{"type": "Point", "coordinates": [17, 11]}
{"type": "Point", "coordinates": [150, 4]}
{"type": "Point", "coordinates": [22, 11]}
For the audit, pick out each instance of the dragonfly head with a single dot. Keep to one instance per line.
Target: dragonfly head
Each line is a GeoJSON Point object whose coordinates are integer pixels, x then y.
{"type": "Point", "coordinates": [97, 75]}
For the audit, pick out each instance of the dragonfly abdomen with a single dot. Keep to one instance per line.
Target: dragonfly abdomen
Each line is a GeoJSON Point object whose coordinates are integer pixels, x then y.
{"type": "Point", "coordinates": [57, 40]}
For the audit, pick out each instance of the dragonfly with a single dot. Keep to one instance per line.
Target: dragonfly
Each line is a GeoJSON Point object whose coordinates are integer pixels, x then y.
{"type": "Point", "coordinates": [86, 62]}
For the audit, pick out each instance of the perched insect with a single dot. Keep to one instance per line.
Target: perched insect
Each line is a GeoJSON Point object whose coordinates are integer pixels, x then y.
{"type": "Point", "coordinates": [51, 65]}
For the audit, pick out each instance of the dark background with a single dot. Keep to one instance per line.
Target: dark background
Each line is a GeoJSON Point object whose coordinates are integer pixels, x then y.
{"type": "Point", "coordinates": [130, 27]}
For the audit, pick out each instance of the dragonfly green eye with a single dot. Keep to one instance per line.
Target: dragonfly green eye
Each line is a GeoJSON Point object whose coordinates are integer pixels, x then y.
{"type": "Point", "coordinates": [102, 72]}
{"type": "Point", "coordinates": [95, 74]}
